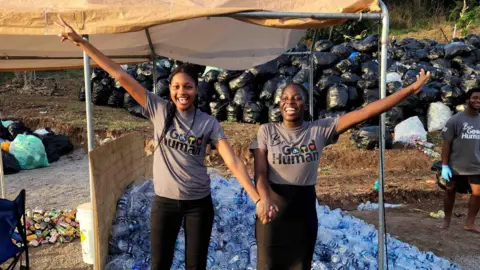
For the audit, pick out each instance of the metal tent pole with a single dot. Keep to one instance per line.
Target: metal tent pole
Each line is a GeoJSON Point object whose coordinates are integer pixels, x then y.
{"type": "Point", "coordinates": [310, 75]}
{"type": "Point", "coordinates": [2, 175]}
{"type": "Point", "coordinates": [154, 60]}
{"type": "Point", "coordinates": [383, 94]}
{"type": "Point", "coordinates": [90, 131]}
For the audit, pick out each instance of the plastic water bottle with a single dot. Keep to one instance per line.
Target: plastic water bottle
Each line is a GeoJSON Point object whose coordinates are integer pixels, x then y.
{"type": "Point", "coordinates": [122, 206]}
{"type": "Point", "coordinates": [253, 252]}
{"type": "Point", "coordinates": [124, 229]}
{"type": "Point", "coordinates": [120, 262]}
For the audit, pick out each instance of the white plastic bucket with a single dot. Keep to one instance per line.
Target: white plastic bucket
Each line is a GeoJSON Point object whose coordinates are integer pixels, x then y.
{"type": "Point", "coordinates": [85, 219]}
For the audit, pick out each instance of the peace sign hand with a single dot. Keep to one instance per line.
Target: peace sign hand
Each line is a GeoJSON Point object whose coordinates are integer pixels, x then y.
{"type": "Point", "coordinates": [68, 33]}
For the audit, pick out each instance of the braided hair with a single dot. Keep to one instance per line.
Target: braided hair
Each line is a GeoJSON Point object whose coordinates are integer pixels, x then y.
{"type": "Point", "coordinates": [304, 91]}
{"type": "Point", "coordinates": [171, 108]}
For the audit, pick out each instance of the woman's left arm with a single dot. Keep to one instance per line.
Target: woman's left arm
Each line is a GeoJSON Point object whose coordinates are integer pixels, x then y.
{"type": "Point", "coordinates": [375, 108]}
{"type": "Point", "coordinates": [237, 167]}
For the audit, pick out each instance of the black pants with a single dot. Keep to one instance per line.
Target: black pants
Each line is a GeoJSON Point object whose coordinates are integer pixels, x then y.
{"type": "Point", "coordinates": [288, 242]}
{"type": "Point", "coordinates": [166, 220]}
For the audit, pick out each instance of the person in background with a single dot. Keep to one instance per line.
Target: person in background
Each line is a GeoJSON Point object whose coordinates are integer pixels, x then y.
{"type": "Point", "coordinates": [287, 156]}
{"type": "Point", "coordinates": [182, 185]}
{"type": "Point", "coordinates": [461, 159]}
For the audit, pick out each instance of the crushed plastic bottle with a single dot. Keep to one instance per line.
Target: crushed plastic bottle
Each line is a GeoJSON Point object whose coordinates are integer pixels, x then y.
{"type": "Point", "coordinates": [343, 242]}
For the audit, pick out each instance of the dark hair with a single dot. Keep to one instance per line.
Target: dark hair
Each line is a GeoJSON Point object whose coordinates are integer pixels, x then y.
{"type": "Point", "coordinates": [470, 93]}
{"type": "Point", "coordinates": [171, 109]}
{"type": "Point", "coordinates": [306, 116]}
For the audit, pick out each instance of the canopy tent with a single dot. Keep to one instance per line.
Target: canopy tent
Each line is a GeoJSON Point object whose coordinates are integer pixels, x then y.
{"type": "Point", "coordinates": [229, 34]}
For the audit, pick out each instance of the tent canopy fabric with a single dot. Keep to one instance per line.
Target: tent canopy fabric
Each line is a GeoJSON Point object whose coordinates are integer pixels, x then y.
{"type": "Point", "coordinates": [187, 30]}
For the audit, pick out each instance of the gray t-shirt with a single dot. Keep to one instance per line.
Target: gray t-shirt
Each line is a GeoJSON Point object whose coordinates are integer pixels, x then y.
{"type": "Point", "coordinates": [464, 133]}
{"type": "Point", "coordinates": [179, 170]}
{"type": "Point", "coordinates": [294, 153]}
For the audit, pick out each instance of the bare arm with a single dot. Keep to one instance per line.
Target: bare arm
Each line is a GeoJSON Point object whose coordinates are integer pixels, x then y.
{"type": "Point", "coordinates": [447, 146]}
{"type": "Point", "coordinates": [375, 108]}
{"type": "Point", "coordinates": [134, 88]}
{"type": "Point", "coordinates": [237, 167]}
{"type": "Point", "coordinates": [260, 167]}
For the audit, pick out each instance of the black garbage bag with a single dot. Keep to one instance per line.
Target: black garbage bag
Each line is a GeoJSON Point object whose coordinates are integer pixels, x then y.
{"type": "Point", "coordinates": [370, 67]}
{"type": "Point", "coordinates": [223, 93]}
{"type": "Point", "coordinates": [469, 70]}
{"type": "Point", "coordinates": [428, 42]}
{"type": "Point", "coordinates": [278, 92]}
{"type": "Point", "coordinates": [460, 61]}
{"type": "Point", "coordinates": [269, 88]}
{"type": "Point", "coordinates": [337, 98]}
{"type": "Point", "coordinates": [243, 95]}
{"type": "Point", "coordinates": [457, 48]}
{"type": "Point", "coordinates": [441, 63]}
{"type": "Point", "coordinates": [473, 40]}
{"type": "Point", "coordinates": [323, 45]}
{"type": "Point", "coordinates": [350, 78]}
{"type": "Point", "coordinates": [234, 113]}
{"type": "Point", "coordinates": [343, 50]}
{"type": "Point", "coordinates": [166, 64]}
{"type": "Point", "coordinates": [99, 74]}
{"type": "Point", "coordinates": [369, 44]}
{"type": "Point", "coordinates": [410, 77]}
{"type": "Point", "coordinates": [367, 84]}
{"type": "Point", "coordinates": [398, 68]}
{"type": "Point", "coordinates": [10, 163]}
{"type": "Point", "coordinates": [302, 76]}
{"type": "Point", "coordinates": [367, 138]}
{"type": "Point", "coordinates": [219, 110]}
{"type": "Point", "coordinates": [323, 60]}
{"type": "Point", "coordinates": [136, 111]}
{"type": "Point", "coordinates": [353, 97]}
{"type": "Point", "coordinates": [347, 65]}
{"type": "Point", "coordinates": [288, 71]}
{"type": "Point", "coordinates": [369, 96]}
{"type": "Point", "coordinates": [470, 83]}
{"type": "Point", "coordinates": [245, 79]}
{"type": "Point", "coordinates": [421, 54]}
{"type": "Point", "coordinates": [56, 145]}
{"type": "Point", "coordinates": [228, 75]}
{"type": "Point", "coordinates": [274, 114]}
{"type": "Point", "coordinates": [331, 72]}
{"type": "Point", "coordinates": [393, 87]}
{"type": "Point", "coordinates": [409, 105]}
{"type": "Point", "coordinates": [4, 133]}
{"type": "Point", "coordinates": [326, 82]}
{"type": "Point", "coordinates": [252, 112]}
{"type": "Point", "coordinates": [393, 117]}
{"type": "Point", "coordinates": [283, 60]}
{"type": "Point", "coordinates": [147, 84]}
{"type": "Point", "coordinates": [18, 127]}
{"type": "Point", "coordinates": [116, 98]}
{"type": "Point", "coordinates": [437, 52]}
{"type": "Point", "coordinates": [300, 47]}
{"type": "Point", "coordinates": [205, 91]}
{"type": "Point", "coordinates": [161, 72]}
{"type": "Point", "coordinates": [101, 91]}
{"type": "Point", "coordinates": [211, 76]}
{"type": "Point", "coordinates": [265, 71]}
{"type": "Point", "coordinates": [452, 80]}
{"type": "Point", "coordinates": [204, 106]}
{"type": "Point", "coordinates": [397, 53]}
{"type": "Point", "coordinates": [428, 95]}
{"type": "Point", "coordinates": [451, 96]}
{"type": "Point", "coordinates": [145, 69]}
{"type": "Point", "coordinates": [163, 89]}
{"type": "Point", "coordinates": [411, 44]}
{"type": "Point", "coordinates": [300, 62]}
{"type": "Point", "coordinates": [461, 187]}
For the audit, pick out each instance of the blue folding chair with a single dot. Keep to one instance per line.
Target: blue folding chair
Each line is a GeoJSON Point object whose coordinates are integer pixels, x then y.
{"type": "Point", "coordinates": [12, 213]}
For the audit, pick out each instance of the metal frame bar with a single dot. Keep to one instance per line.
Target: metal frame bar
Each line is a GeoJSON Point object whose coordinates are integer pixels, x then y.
{"type": "Point", "coordinates": [154, 59]}
{"type": "Point", "coordinates": [310, 15]}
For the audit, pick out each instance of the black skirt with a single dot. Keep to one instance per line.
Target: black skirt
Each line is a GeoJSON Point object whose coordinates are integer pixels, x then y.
{"type": "Point", "coordinates": [288, 242]}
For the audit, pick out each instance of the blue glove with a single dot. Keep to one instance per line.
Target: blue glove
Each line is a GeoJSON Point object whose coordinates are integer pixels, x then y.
{"type": "Point", "coordinates": [446, 173]}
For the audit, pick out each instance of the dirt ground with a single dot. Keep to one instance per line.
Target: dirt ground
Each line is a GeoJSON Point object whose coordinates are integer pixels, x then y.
{"type": "Point", "coordinates": [346, 175]}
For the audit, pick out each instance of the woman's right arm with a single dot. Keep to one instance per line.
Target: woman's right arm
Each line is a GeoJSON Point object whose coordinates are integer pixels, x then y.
{"type": "Point", "coordinates": [260, 178]}
{"type": "Point", "coordinates": [135, 89]}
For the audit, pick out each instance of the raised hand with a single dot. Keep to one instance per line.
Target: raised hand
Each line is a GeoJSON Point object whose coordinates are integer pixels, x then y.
{"type": "Point", "coordinates": [67, 32]}
{"type": "Point", "coordinates": [422, 78]}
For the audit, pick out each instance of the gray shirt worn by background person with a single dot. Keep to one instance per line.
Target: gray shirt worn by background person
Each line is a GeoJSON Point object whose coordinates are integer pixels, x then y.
{"type": "Point", "coordinates": [294, 153]}
{"type": "Point", "coordinates": [464, 132]}
{"type": "Point", "coordinates": [179, 170]}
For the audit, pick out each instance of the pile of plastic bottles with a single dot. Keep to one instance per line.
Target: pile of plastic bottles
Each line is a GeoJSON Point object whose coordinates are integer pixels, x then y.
{"type": "Point", "coordinates": [51, 227]}
{"type": "Point", "coordinates": [344, 242]}
{"type": "Point", "coordinates": [369, 206]}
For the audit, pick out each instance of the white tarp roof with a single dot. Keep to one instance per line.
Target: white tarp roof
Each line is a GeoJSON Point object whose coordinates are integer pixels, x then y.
{"type": "Point", "coordinates": [180, 29]}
